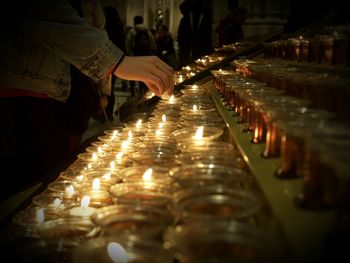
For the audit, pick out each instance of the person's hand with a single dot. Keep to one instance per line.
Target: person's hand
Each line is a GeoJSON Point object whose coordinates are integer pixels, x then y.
{"type": "Point", "coordinates": [156, 74]}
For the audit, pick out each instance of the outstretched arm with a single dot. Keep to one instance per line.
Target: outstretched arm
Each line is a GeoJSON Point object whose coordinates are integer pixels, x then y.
{"type": "Point", "coordinates": [157, 75]}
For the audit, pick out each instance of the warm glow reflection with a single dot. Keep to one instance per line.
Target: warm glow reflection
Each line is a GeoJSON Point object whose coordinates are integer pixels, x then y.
{"type": "Point", "coordinates": [85, 201]}
{"type": "Point", "coordinates": [112, 165]}
{"type": "Point", "coordinates": [40, 216]}
{"type": "Point", "coordinates": [130, 135]}
{"type": "Point", "coordinates": [161, 125]}
{"type": "Point", "coordinates": [158, 132]}
{"type": "Point", "coordinates": [96, 184]}
{"type": "Point", "coordinates": [147, 176]}
{"type": "Point", "coordinates": [199, 133]}
{"type": "Point", "coordinates": [106, 176]}
{"type": "Point", "coordinates": [117, 253]}
{"type": "Point", "coordinates": [194, 108]}
{"type": "Point", "coordinates": [172, 99]}
{"type": "Point", "coordinates": [57, 202]}
{"type": "Point", "coordinates": [119, 155]}
{"type": "Point", "coordinates": [163, 118]}
{"type": "Point", "coordinates": [94, 156]}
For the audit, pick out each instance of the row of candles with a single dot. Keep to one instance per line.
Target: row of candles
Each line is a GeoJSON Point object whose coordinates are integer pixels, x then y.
{"type": "Point", "coordinates": [309, 142]}
{"type": "Point", "coordinates": [145, 191]}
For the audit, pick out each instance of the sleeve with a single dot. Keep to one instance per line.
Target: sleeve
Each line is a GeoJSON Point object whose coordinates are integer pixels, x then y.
{"type": "Point", "coordinates": [57, 26]}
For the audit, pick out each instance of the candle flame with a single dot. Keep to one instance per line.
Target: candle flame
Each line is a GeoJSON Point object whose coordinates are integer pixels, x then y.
{"type": "Point", "coordinates": [115, 133]}
{"type": "Point", "coordinates": [161, 125]}
{"type": "Point", "coordinates": [199, 133]}
{"type": "Point", "coordinates": [139, 124]}
{"type": "Point", "coordinates": [163, 118]}
{"type": "Point", "coordinates": [94, 156]}
{"type": "Point", "coordinates": [171, 99]}
{"type": "Point", "coordinates": [80, 178]}
{"type": "Point", "coordinates": [119, 155]}
{"type": "Point", "coordinates": [129, 134]}
{"type": "Point", "coordinates": [158, 132]}
{"type": "Point", "coordinates": [57, 202]}
{"type": "Point", "coordinates": [112, 165]}
{"type": "Point", "coordinates": [85, 201]}
{"type": "Point", "coordinates": [96, 184]}
{"type": "Point", "coordinates": [99, 149]}
{"type": "Point", "coordinates": [40, 216]}
{"type": "Point", "coordinates": [70, 190]}
{"type": "Point", "coordinates": [117, 253]}
{"type": "Point", "coordinates": [194, 86]}
{"type": "Point", "coordinates": [107, 176]}
{"type": "Point", "coordinates": [147, 176]}
{"type": "Point", "coordinates": [194, 108]}
{"type": "Point", "coordinates": [125, 144]}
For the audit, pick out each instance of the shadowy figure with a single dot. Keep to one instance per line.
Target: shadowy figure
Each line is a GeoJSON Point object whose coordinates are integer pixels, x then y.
{"type": "Point", "coordinates": [195, 30]}
{"type": "Point", "coordinates": [230, 28]}
{"type": "Point", "coordinates": [165, 45]}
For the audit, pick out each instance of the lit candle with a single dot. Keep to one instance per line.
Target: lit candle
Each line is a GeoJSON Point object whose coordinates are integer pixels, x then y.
{"type": "Point", "coordinates": [147, 176]}
{"type": "Point", "coordinates": [194, 108]}
{"type": "Point", "coordinates": [70, 191]}
{"type": "Point", "coordinates": [57, 203]}
{"type": "Point", "coordinates": [163, 118]}
{"type": "Point", "coordinates": [40, 218]}
{"type": "Point", "coordinates": [199, 133]}
{"type": "Point", "coordinates": [83, 210]}
{"type": "Point", "coordinates": [117, 253]}
{"type": "Point", "coordinates": [172, 99]}
{"type": "Point", "coordinates": [96, 183]}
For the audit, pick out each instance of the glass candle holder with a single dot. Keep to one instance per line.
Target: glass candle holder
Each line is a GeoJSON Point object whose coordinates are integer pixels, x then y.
{"type": "Point", "coordinates": [153, 158]}
{"type": "Point", "coordinates": [209, 158]}
{"type": "Point", "coordinates": [214, 202]}
{"type": "Point", "coordinates": [132, 220]}
{"type": "Point", "coordinates": [141, 173]}
{"type": "Point", "coordinates": [69, 229]}
{"type": "Point", "coordinates": [121, 249]}
{"type": "Point", "coordinates": [148, 192]}
{"type": "Point", "coordinates": [208, 174]}
{"type": "Point", "coordinates": [99, 197]}
{"type": "Point", "coordinates": [158, 138]}
{"type": "Point", "coordinates": [53, 201]}
{"type": "Point", "coordinates": [34, 216]}
{"type": "Point", "coordinates": [68, 189]}
{"type": "Point", "coordinates": [196, 134]}
{"type": "Point", "coordinates": [105, 175]}
{"type": "Point", "coordinates": [228, 241]}
{"type": "Point", "coordinates": [224, 148]}
{"type": "Point", "coordinates": [194, 89]}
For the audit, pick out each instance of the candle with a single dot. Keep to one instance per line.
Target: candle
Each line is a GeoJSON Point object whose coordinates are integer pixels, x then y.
{"type": "Point", "coordinates": [199, 134]}
{"type": "Point", "coordinates": [40, 216]}
{"type": "Point", "coordinates": [147, 176]}
{"type": "Point", "coordinates": [172, 99]}
{"type": "Point", "coordinates": [83, 210]}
